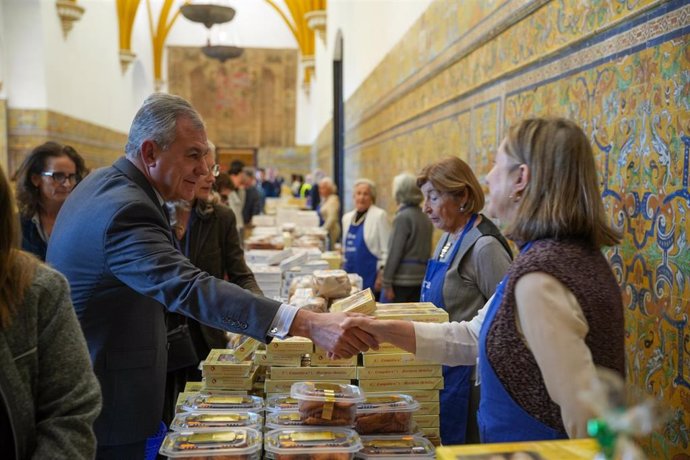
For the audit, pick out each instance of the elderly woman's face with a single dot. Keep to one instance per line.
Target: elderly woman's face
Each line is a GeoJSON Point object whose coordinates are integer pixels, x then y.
{"type": "Point", "coordinates": [443, 209]}
{"type": "Point", "coordinates": [204, 185]}
{"type": "Point", "coordinates": [363, 198]}
{"type": "Point", "coordinates": [325, 190]}
{"type": "Point", "coordinates": [501, 180]}
{"type": "Point", "coordinates": [55, 189]}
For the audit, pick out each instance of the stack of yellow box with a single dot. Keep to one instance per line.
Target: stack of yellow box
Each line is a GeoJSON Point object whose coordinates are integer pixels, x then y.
{"type": "Point", "coordinates": [391, 369]}
{"type": "Point", "coordinates": [226, 369]}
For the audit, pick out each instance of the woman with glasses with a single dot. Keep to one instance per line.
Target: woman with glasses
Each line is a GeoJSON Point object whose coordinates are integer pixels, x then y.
{"type": "Point", "coordinates": [207, 235]}
{"type": "Point", "coordinates": [44, 180]}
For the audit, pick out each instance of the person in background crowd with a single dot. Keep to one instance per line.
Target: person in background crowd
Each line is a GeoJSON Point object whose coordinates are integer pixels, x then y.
{"type": "Point", "coordinates": [238, 178]}
{"type": "Point", "coordinates": [252, 200]}
{"type": "Point", "coordinates": [44, 180]}
{"type": "Point", "coordinates": [208, 238]}
{"type": "Point", "coordinates": [277, 180]}
{"type": "Point", "coordinates": [266, 185]}
{"type": "Point", "coordinates": [127, 272]}
{"type": "Point", "coordinates": [409, 245]}
{"type": "Point", "coordinates": [49, 395]}
{"type": "Point", "coordinates": [305, 189]}
{"type": "Point", "coordinates": [365, 236]}
{"type": "Point", "coordinates": [259, 179]}
{"type": "Point", "coordinates": [314, 198]}
{"type": "Point", "coordinates": [296, 185]}
{"type": "Point", "coordinates": [223, 185]}
{"type": "Point", "coordinates": [469, 261]}
{"type": "Point", "coordinates": [558, 312]}
{"type": "Point", "coordinates": [329, 210]}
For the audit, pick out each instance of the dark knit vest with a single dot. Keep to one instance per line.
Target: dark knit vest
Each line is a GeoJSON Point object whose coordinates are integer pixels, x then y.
{"type": "Point", "coordinates": [586, 273]}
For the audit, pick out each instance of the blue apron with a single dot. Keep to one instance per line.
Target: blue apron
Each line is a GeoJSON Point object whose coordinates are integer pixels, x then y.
{"type": "Point", "coordinates": [455, 396]}
{"type": "Point", "coordinates": [358, 258]}
{"type": "Point", "coordinates": [500, 418]}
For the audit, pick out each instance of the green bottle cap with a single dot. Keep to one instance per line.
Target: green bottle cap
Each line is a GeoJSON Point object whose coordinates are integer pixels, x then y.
{"type": "Point", "coordinates": [604, 435]}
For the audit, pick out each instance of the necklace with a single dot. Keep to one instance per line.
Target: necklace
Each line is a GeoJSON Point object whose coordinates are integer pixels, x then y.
{"type": "Point", "coordinates": [446, 247]}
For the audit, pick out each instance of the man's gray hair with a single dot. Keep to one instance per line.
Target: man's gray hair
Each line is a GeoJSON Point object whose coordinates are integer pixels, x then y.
{"type": "Point", "coordinates": [156, 120]}
{"type": "Point", "coordinates": [371, 184]}
{"type": "Point", "coordinates": [405, 190]}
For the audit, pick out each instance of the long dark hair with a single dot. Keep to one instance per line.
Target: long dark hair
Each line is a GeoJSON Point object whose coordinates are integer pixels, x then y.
{"type": "Point", "coordinates": [28, 195]}
{"type": "Point", "coordinates": [16, 267]}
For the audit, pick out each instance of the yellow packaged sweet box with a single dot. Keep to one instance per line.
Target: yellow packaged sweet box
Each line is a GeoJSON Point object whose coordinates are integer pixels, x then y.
{"type": "Point", "coordinates": [292, 345]}
{"type": "Point", "coordinates": [222, 362]}
{"type": "Point", "coordinates": [392, 359]}
{"type": "Point", "coordinates": [313, 373]}
{"type": "Point", "coordinates": [397, 372]}
{"type": "Point", "coordinates": [402, 384]}
{"type": "Point", "coordinates": [361, 302]}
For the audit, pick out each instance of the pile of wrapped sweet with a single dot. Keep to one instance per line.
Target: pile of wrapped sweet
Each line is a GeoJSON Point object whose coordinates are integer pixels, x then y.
{"type": "Point", "coordinates": [317, 420]}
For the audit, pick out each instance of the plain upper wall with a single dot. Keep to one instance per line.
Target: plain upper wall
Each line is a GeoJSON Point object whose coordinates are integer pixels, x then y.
{"type": "Point", "coordinates": [80, 76]}
{"type": "Point", "coordinates": [370, 29]}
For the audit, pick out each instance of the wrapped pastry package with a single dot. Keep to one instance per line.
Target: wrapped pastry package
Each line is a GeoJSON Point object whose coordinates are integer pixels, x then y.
{"type": "Point", "coordinates": [222, 402]}
{"type": "Point", "coordinates": [284, 419]}
{"type": "Point", "coordinates": [234, 444]}
{"type": "Point", "coordinates": [281, 402]}
{"type": "Point", "coordinates": [395, 447]}
{"type": "Point", "coordinates": [327, 404]}
{"type": "Point", "coordinates": [331, 283]}
{"type": "Point", "coordinates": [312, 444]}
{"type": "Point", "coordinates": [385, 414]}
{"type": "Point", "coordinates": [222, 421]}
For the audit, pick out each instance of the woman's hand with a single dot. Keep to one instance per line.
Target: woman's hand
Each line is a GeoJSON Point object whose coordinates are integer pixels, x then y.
{"type": "Point", "coordinates": [388, 293]}
{"type": "Point", "coordinates": [399, 333]}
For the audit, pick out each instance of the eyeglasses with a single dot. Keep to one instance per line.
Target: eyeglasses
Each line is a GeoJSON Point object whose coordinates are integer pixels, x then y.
{"type": "Point", "coordinates": [215, 170]}
{"type": "Point", "coordinates": [61, 178]}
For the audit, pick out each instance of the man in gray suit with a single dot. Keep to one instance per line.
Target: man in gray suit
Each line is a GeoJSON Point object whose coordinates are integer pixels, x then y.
{"type": "Point", "coordinates": [113, 242]}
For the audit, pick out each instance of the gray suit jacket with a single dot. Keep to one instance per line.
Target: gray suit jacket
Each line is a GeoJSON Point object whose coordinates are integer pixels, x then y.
{"type": "Point", "coordinates": [113, 242]}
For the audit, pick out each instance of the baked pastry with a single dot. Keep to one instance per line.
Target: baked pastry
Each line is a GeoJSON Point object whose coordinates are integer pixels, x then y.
{"type": "Point", "coordinates": [383, 422]}
{"type": "Point", "coordinates": [301, 444]}
{"type": "Point", "coordinates": [237, 444]}
{"type": "Point", "coordinates": [325, 413]}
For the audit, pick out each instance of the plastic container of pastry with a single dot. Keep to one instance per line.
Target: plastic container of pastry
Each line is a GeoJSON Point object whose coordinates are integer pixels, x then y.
{"type": "Point", "coordinates": [220, 402]}
{"type": "Point", "coordinates": [234, 444]}
{"type": "Point", "coordinates": [390, 447]}
{"type": "Point", "coordinates": [334, 443]}
{"type": "Point", "coordinates": [281, 402]}
{"type": "Point", "coordinates": [385, 414]}
{"type": "Point", "coordinates": [326, 404]}
{"type": "Point", "coordinates": [284, 419]}
{"type": "Point", "coordinates": [215, 421]}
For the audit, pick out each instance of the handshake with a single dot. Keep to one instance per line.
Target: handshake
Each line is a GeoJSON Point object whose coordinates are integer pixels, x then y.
{"type": "Point", "coordinates": [342, 334]}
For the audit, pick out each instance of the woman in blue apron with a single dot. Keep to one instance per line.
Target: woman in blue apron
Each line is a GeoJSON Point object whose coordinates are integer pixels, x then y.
{"type": "Point", "coordinates": [557, 314]}
{"type": "Point", "coordinates": [366, 231]}
{"type": "Point", "coordinates": [409, 245]}
{"type": "Point", "coordinates": [469, 261]}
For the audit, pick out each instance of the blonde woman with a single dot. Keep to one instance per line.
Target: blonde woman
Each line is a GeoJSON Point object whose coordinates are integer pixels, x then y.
{"type": "Point", "coordinates": [558, 312]}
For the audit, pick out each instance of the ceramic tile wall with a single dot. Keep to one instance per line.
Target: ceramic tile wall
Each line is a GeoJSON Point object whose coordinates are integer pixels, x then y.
{"type": "Point", "coordinates": [621, 69]}
{"type": "Point", "coordinates": [28, 128]}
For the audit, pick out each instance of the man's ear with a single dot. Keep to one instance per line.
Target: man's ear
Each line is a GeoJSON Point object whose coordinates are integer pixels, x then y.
{"type": "Point", "coordinates": [149, 152]}
{"type": "Point", "coordinates": [523, 176]}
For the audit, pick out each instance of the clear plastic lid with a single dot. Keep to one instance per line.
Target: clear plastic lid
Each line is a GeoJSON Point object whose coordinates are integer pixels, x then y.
{"type": "Point", "coordinates": [388, 402]}
{"type": "Point", "coordinates": [216, 421]}
{"type": "Point", "coordinates": [312, 441]}
{"type": "Point", "coordinates": [281, 402]}
{"type": "Point", "coordinates": [221, 402]}
{"type": "Point", "coordinates": [284, 419]}
{"type": "Point", "coordinates": [327, 392]}
{"type": "Point", "coordinates": [234, 442]}
{"type": "Point", "coordinates": [395, 447]}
